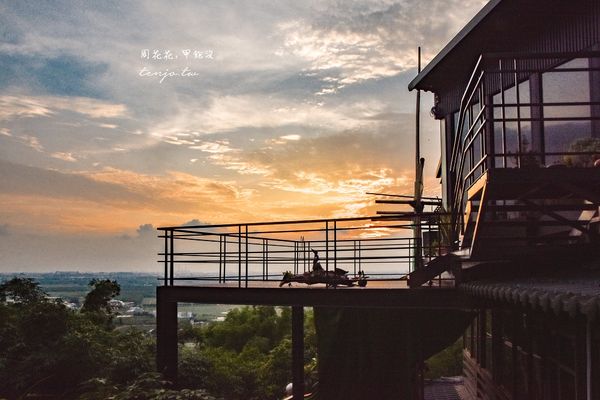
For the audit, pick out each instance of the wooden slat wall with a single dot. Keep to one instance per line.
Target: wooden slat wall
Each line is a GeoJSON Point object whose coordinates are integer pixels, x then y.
{"type": "Point", "coordinates": [478, 381]}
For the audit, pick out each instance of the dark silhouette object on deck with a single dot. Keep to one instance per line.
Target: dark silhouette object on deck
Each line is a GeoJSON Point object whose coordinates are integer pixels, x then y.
{"type": "Point", "coordinates": [316, 264]}
{"type": "Point", "coordinates": [337, 277]}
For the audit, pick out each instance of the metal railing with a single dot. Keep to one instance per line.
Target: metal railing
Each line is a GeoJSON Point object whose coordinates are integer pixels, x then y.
{"type": "Point", "coordinates": [381, 247]}
{"type": "Point", "coordinates": [486, 112]}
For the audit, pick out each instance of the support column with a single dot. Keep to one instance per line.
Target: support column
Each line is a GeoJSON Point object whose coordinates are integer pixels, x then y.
{"type": "Point", "coordinates": [166, 335]}
{"type": "Point", "coordinates": [298, 352]}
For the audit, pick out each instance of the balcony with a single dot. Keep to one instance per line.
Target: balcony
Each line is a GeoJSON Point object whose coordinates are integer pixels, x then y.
{"type": "Point", "coordinates": [246, 264]}
{"type": "Point", "coordinates": [379, 251]}
{"type": "Point", "coordinates": [524, 173]}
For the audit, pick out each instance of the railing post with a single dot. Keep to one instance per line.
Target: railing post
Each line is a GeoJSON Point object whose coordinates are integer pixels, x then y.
{"type": "Point", "coordinates": [224, 258]}
{"type": "Point", "coordinates": [295, 258]}
{"type": "Point", "coordinates": [220, 255]}
{"type": "Point", "coordinates": [172, 263]}
{"type": "Point", "coordinates": [239, 256]}
{"type": "Point", "coordinates": [327, 246]}
{"type": "Point", "coordinates": [354, 256]}
{"type": "Point", "coordinates": [359, 256]}
{"type": "Point", "coordinates": [166, 259]}
{"type": "Point", "coordinates": [246, 248]}
{"type": "Point", "coordinates": [334, 245]}
{"type": "Point", "coordinates": [267, 257]}
{"type": "Point", "coordinates": [303, 254]}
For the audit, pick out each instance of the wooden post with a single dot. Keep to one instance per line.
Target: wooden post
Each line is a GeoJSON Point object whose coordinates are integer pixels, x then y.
{"type": "Point", "coordinates": [166, 338]}
{"type": "Point", "coordinates": [298, 352]}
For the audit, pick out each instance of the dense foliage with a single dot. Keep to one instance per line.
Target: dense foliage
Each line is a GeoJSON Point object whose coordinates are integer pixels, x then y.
{"type": "Point", "coordinates": [247, 356]}
{"type": "Point", "coordinates": [49, 350]}
{"type": "Point", "coordinates": [447, 362]}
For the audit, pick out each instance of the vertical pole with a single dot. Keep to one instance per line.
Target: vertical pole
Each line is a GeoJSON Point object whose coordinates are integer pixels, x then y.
{"type": "Point", "coordinates": [166, 338]}
{"type": "Point", "coordinates": [246, 248]}
{"type": "Point", "coordinates": [220, 256]}
{"type": "Point", "coordinates": [594, 86]}
{"type": "Point", "coordinates": [519, 133]}
{"type": "Point", "coordinates": [166, 278]}
{"type": "Point", "coordinates": [295, 257]}
{"type": "Point", "coordinates": [172, 261]}
{"type": "Point", "coordinates": [263, 259]}
{"type": "Point", "coordinates": [359, 256]}
{"type": "Point", "coordinates": [327, 246]}
{"type": "Point", "coordinates": [303, 255]}
{"type": "Point", "coordinates": [267, 257]}
{"type": "Point", "coordinates": [224, 258]}
{"type": "Point", "coordinates": [354, 257]}
{"type": "Point", "coordinates": [239, 256]}
{"type": "Point", "coordinates": [298, 352]}
{"type": "Point", "coordinates": [418, 173]}
{"type": "Point", "coordinates": [504, 147]}
{"type": "Point", "coordinates": [334, 245]}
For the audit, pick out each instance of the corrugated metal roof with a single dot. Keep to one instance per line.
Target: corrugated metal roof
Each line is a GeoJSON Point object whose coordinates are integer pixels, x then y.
{"type": "Point", "coordinates": [570, 294]}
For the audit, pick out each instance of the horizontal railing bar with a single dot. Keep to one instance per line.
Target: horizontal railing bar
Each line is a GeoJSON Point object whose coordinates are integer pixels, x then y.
{"type": "Point", "coordinates": [259, 260]}
{"type": "Point", "coordinates": [234, 243]}
{"type": "Point", "coordinates": [549, 104]}
{"type": "Point", "coordinates": [555, 69]}
{"type": "Point", "coordinates": [544, 119]}
{"type": "Point", "coordinates": [291, 222]}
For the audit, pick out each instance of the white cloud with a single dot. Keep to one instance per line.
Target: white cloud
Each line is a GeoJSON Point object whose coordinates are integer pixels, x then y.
{"type": "Point", "coordinates": [64, 156]}
{"type": "Point", "coordinates": [18, 106]}
{"type": "Point", "coordinates": [32, 142]}
{"type": "Point", "coordinates": [290, 137]}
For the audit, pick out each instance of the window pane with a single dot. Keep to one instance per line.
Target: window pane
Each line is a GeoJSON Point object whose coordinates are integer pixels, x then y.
{"type": "Point", "coordinates": [567, 86]}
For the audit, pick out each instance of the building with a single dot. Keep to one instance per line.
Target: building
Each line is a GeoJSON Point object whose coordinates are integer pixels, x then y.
{"type": "Point", "coordinates": [517, 94]}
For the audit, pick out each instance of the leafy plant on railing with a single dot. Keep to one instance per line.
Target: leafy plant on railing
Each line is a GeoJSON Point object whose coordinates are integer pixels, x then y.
{"type": "Point", "coordinates": [586, 145]}
{"type": "Point", "coordinates": [441, 244]}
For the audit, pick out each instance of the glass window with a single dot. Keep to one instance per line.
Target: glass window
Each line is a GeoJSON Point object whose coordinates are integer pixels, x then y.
{"type": "Point", "coordinates": [564, 129]}
{"type": "Point", "coordinates": [560, 85]}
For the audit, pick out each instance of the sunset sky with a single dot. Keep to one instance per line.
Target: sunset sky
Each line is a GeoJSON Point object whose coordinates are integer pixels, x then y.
{"type": "Point", "coordinates": [288, 110]}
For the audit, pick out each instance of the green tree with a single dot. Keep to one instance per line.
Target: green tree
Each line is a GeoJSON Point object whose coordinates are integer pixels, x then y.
{"type": "Point", "coordinates": [49, 350]}
{"type": "Point", "coordinates": [103, 290]}
{"type": "Point", "coordinates": [21, 290]}
{"type": "Point", "coordinates": [247, 356]}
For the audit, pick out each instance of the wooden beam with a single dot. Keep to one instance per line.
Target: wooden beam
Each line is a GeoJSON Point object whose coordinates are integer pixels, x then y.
{"type": "Point", "coordinates": [478, 186]}
{"type": "Point", "coordinates": [478, 221]}
{"type": "Point", "coordinates": [422, 298]}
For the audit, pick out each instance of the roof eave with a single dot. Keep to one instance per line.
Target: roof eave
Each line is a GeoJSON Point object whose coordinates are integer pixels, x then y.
{"type": "Point", "coordinates": [417, 82]}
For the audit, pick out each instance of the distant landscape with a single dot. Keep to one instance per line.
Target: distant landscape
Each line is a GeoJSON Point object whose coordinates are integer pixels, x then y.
{"type": "Point", "coordinates": [138, 296]}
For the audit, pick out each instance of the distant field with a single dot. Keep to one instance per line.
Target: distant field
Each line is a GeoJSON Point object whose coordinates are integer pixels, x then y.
{"type": "Point", "coordinates": [206, 312]}
{"type": "Point", "coordinates": [139, 288]}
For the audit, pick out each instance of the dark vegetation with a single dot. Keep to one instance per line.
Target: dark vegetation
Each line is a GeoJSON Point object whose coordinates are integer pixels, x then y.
{"type": "Point", "coordinates": [49, 351]}
{"type": "Point", "coordinates": [247, 356]}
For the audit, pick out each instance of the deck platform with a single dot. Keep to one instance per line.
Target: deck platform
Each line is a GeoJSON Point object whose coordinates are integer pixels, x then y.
{"type": "Point", "coordinates": [386, 294]}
